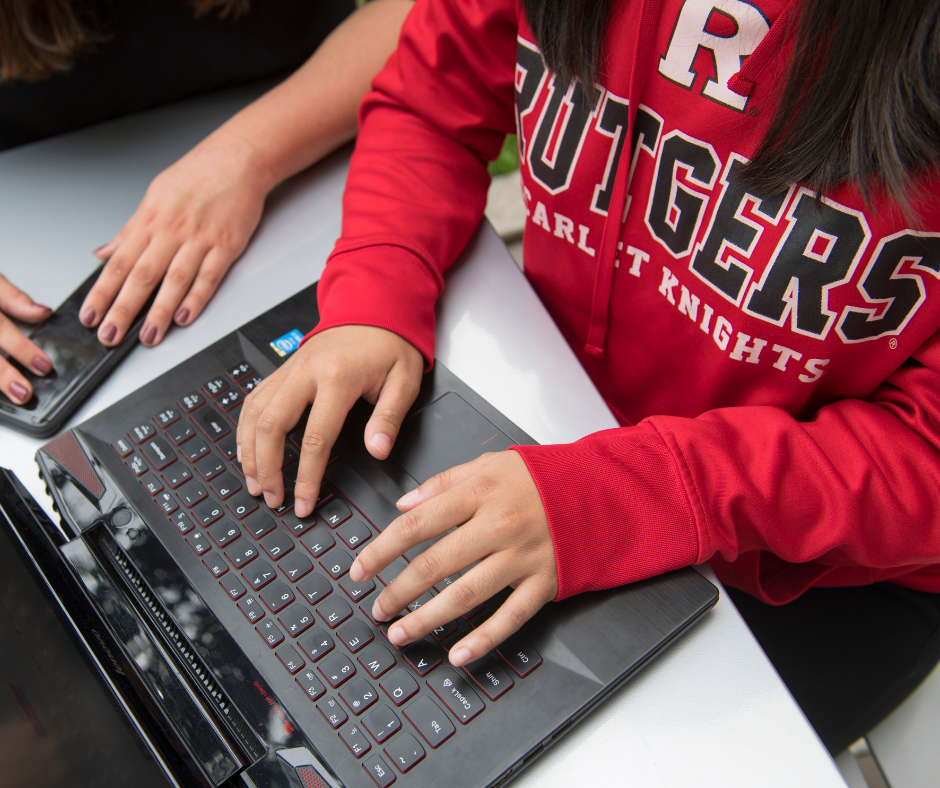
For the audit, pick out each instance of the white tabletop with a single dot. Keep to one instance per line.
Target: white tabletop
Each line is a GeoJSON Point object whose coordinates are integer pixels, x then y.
{"type": "Point", "coordinates": [710, 712]}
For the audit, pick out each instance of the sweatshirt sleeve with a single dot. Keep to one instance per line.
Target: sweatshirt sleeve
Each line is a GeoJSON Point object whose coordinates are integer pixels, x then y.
{"type": "Point", "coordinates": [417, 182]}
{"type": "Point", "coordinates": [848, 497]}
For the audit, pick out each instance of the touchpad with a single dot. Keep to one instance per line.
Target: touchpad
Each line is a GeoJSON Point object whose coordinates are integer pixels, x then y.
{"type": "Point", "coordinates": [446, 433]}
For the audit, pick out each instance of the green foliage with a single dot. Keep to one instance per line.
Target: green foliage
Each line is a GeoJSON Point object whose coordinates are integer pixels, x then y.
{"type": "Point", "coordinates": [508, 159]}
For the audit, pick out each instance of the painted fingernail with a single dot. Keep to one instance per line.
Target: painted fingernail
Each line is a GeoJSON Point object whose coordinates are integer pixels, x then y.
{"type": "Point", "coordinates": [356, 572]}
{"type": "Point", "coordinates": [397, 635]}
{"type": "Point", "coordinates": [381, 443]}
{"type": "Point", "coordinates": [87, 317]}
{"type": "Point", "coordinates": [271, 500]}
{"type": "Point", "coordinates": [149, 334]}
{"type": "Point", "coordinates": [253, 487]}
{"type": "Point", "coordinates": [19, 391]}
{"type": "Point", "coordinates": [407, 499]}
{"type": "Point", "coordinates": [182, 317]}
{"type": "Point", "coordinates": [458, 656]}
{"type": "Point", "coordinates": [108, 333]}
{"type": "Point", "coordinates": [39, 308]}
{"type": "Point", "coordinates": [42, 365]}
{"type": "Point", "coordinates": [302, 507]}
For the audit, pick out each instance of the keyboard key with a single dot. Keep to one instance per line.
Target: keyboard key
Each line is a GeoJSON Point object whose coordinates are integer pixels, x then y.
{"type": "Point", "coordinates": [399, 686]}
{"type": "Point", "coordinates": [212, 424]}
{"type": "Point", "coordinates": [490, 676]}
{"type": "Point", "coordinates": [457, 694]}
{"type": "Point", "coordinates": [405, 751]}
{"type": "Point", "coordinates": [359, 695]}
{"type": "Point", "coordinates": [224, 532]}
{"type": "Point", "coordinates": [198, 541]}
{"type": "Point", "coordinates": [378, 771]}
{"type": "Point", "coordinates": [167, 417]}
{"type": "Point", "coordinates": [137, 465]}
{"type": "Point", "coordinates": [356, 591]}
{"type": "Point", "coordinates": [337, 563]}
{"type": "Point", "coordinates": [176, 476]}
{"type": "Point", "coordinates": [251, 384]}
{"type": "Point", "coordinates": [232, 587]}
{"type": "Point", "coordinates": [277, 545]}
{"type": "Point", "coordinates": [122, 447]}
{"type": "Point", "coordinates": [447, 581]}
{"type": "Point", "coordinates": [334, 611]}
{"type": "Point", "coordinates": [381, 722]}
{"type": "Point", "coordinates": [191, 493]}
{"type": "Point", "coordinates": [242, 554]}
{"type": "Point", "coordinates": [354, 533]}
{"type": "Point", "coordinates": [215, 564]}
{"type": "Point", "coordinates": [291, 455]}
{"type": "Point", "coordinates": [191, 401]}
{"type": "Point", "coordinates": [335, 714]}
{"type": "Point", "coordinates": [260, 575]}
{"type": "Point", "coordinates": [335, 512]}
{"type": "Point", "coordinates": [316, 643]}
{"type": "Point", "coordinates": [195, 449]}
{"type": "Point", "coordinates": [298, 526]}
{"type": "Point", "coordinates": [141, 433]}
{"type": "Point", "coordinates": [228, 446]}
{"type": "Point", "coordinates": [423, 656]}
{"type": "Point", "coordinates": [226, 485]}
{"type": "Point", "coordinates": [312, 686]}
{"type": "Point", "coordinates": [318, 541]}
{"type": "Point", "coordinates": [230, 399]}
{"type": "Point", "coordinates": [295, 566]}
{"type": "Point", "coordinates": [393, 570]}
{"type": "Point", "coordinates": [207, 512]}
{"type": "Point", "coordinates": [356, 635]}
{"type": "Point", "coordinates": [152, 484]}
{"type": "Point", "coordinates": [430, 720]}
{"type": "Point", "coordinates": [337, 668]}
{"type": "Point", "coordinates": [241, 505]}
{"type": "Point", "coordinates": [182, 522]}
{"type": "Point", "coordinates": [287, 504]}
{"type": "Point", "coordinates": [378, 660]}
{"type": "Point", "coordinates": [290, 659]}
{"type": "Point", "coordinates": [238, 372]}
{"type": "Point", "coordinates": [259, 524]}
{"type": "Point", "coordinates": [383, 628]}
{"type": "Point", "coordinates": [315, 587]}
{"type": "Point", "coordinates": [277, 596]}
{"type": "Point", "coordinates": [519, 655]}
{"type": "Point", "coordinates": [355, 739]}
{"type": "Point", "coordinates": [215, 386]}
{"type": "Point", "coordinates": [443, 631]}
{"type": "Point", "coordinates": [296, 619]}
{"type": "Point", "coordinates": [210, 467]}
{"type": "Point", "coordinates": [252, 609]}
{"type": "Point", "coordinates": [270, 633]}
{"type": "Point", "coordinates": [426, 597]}
{"type": "Point", "coordinates": [180, 432]}
{"type": "Point", "coordinates": [167, 502]}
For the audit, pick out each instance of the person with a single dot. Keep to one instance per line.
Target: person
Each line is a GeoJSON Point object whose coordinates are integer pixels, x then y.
{"type": "Point", "coordinates": [730, 218]}
{"type": "Point", "coordinates": [198, 215]}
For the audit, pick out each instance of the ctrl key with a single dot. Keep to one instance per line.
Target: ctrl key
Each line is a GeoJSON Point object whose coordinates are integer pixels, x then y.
{"type": "Point", "coordinates": [378, 771]}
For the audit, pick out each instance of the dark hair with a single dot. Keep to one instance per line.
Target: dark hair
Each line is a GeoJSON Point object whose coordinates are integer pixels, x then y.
{"type": "Point", "coordinates": [860, 101]}
{"type": "Point", "coordinates": [41, 37]}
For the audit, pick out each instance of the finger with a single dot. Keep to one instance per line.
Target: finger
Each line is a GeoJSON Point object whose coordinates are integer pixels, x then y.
{"type": "Point", "coordinates": [442, 482]}
{"type": "Point", "coordinates": [17, 304]}
{"type": "Point", "coordinates": [397, 395]}
{"type": "Point", "coordinates": [207, 281]}
{"type": "Point", "coordinates": [104, 251]}
{"type": "Point", "coordinates": [245, 435]}
{"type": "Point", "coordinates": [523, 603]}
{"type": "Point", "coordinates": [13, 384]}
{"type": "Point", "coordinates": [176, 283]}
{"type": "Point", "coordinates": [111, 278]}
{"type": "Point", "coordinates": [23, 350]}
{"type": "Point", "coordinates": [141, 281]}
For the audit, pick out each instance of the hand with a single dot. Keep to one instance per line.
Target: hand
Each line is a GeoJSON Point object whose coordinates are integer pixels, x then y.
{"type": "Point", "coordinates": [331, 371]}
{"type": "Point", "coordinates": [196, 218]}
{"type": "Point", "coordinates": [502, 525]}
{"type": "Point", "coordinates": [16, 303]}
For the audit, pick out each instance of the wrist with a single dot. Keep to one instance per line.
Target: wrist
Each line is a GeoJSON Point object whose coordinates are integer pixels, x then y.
{"type": "Point", "coordinates": [250, 165]}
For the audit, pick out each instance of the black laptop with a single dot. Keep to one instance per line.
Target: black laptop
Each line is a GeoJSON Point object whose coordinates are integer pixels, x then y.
{"type": "Point", "coordinates": [174, 630]}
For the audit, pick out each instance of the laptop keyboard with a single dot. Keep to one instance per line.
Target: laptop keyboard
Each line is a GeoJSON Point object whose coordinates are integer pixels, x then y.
{"type": "Point", "coordinates": [289, 578]}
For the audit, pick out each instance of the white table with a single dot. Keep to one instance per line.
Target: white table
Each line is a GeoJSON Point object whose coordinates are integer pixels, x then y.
{"type": "Point", "coordinates": [710, 712]}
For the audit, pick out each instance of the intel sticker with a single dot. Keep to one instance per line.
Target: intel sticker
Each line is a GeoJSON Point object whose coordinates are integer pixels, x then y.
{"type": "Point", "coordinates": [288, 343]}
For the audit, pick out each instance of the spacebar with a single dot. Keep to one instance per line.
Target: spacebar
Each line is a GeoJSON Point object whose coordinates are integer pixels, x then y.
{"type": "Point", "coordinates": [361, 494]}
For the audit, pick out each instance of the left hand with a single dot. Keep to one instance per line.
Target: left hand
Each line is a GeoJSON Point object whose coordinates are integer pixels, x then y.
{"type": "Point", "coordinates": [502, 525]}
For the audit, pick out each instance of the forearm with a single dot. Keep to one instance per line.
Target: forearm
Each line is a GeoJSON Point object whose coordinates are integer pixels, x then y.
{"type": "Point", "coordinates": [313, 111]}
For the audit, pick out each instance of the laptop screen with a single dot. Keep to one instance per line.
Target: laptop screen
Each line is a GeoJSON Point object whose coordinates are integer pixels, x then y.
{"type": "Point", "coordinates": [58, 724]}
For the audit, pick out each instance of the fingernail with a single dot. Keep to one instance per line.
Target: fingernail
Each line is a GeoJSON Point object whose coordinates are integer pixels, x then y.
{"type": "Point", "coordinates": [108, 333]}
{"type": "Point", "coordinates": [253, 487]}
{"type": "Point", "coordinates": [458, 656]}
{"type": "Point", "coordinates": [238, 452]}
{"type": "Point", "coordinates": [149, 334]}
{"type": "Point", "coordinates": [182, 316]}
{"type": "Point", "coordinates": [39, 308]}
{"type": "Point", "coordinates": [42, 365]}
{"type": "Point", "coordinates": [379, 615]}
{"type": "Point", "coordinates": [302, 507]}
{"type": "Point", "coordinates": [271, 500]}
{"type": "Point", "coordinates": [356, 572]}
{"type": "Point", "coordinates": [97, 251]}
{"type": "Point", "coordinates": [407, 499]}
{"type": "Point", "coordinates": [381, 443]}
{"type": "Point", "coordinates": [87, 317]}
{"type": "Point", "coordinates": [19, 391]}
{"type": "Point", "coordinates": [397, 635]}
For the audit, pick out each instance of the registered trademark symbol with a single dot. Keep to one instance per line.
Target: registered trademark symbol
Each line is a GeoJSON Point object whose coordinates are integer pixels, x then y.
{"type": "Point", "coordinates": [893, 343]}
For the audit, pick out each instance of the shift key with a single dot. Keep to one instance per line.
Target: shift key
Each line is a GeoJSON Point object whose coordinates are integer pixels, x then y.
{"type": "Point", "coordinates": [457, 694]}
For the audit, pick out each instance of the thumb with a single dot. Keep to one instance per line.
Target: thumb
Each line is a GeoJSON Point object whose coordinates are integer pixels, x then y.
{"type": "Point", "coordinates": [397, 395]}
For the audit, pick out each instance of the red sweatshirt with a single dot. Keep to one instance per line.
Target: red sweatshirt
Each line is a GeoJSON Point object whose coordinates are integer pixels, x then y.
{"type": "Point", "coordinates": [775, 365]}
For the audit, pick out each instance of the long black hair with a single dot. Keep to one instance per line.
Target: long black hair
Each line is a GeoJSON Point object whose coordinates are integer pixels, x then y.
{"type": "Point", "coordinates": [860, 101]}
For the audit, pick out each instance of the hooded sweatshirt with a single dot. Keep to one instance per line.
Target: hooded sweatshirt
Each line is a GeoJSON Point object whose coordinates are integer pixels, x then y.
{"type": "Point", "coordinates": [773, 359]}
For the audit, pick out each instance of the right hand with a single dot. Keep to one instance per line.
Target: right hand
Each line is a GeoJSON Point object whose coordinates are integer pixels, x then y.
{"type": "Point", "coordinates": [16, 303]}
{"type": "Point", "coordinates": [196, 218]}
{"type": "Point", "coordinates": [330, 371]}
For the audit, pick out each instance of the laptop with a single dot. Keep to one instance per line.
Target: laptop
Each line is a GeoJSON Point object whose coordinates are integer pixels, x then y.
{"type": "Point", "coordinates": [213, 641]}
